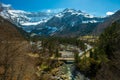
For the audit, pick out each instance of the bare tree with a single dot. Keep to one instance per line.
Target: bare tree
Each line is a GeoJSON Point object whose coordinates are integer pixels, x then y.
{"type": "Point", "coordinates": [9, 52]}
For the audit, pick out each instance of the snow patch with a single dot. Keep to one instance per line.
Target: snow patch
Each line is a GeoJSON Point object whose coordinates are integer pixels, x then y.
{"type": "Point", "coordinates": [59, 15]}
{"type": "Point", "coordinates": [92, 21]}
{"type": "Point", "coordinates": [52, 29]}
{"type": "Point", "coordinates": [87, 15]}
{"type": "Point", "coordinates": [33, 23]}
{"type": "Point", "coordinates": [18, 12]}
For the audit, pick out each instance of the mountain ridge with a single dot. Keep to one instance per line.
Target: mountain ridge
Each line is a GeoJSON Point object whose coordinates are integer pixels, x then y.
{"type": "Point", "coordinates": [111, 19]}
{"type": "Point", "coordinates": [53, 24]}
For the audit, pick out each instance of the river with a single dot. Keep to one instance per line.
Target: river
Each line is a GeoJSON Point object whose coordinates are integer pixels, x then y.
{"type": "Point", "coordinates": [72, 73]}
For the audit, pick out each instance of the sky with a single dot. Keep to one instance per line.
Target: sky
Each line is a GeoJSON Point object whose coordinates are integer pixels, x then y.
{"type": "Point", "coordinates": [94, 7]}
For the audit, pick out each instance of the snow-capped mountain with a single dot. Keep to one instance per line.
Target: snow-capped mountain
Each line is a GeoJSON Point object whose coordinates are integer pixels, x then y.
{"type": "Point", "coordinates": [24, 19]}
{"type": "Point", "coordinates": [67, 21]}
{"type": "Point", "coordinates": [75, 16]}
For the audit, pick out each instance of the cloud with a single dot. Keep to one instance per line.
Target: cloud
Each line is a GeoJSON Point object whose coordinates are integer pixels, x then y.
{"type": "Point", "coordinates": [53, 10]}
{"type": "Point", "coordinates": [6, 5]}
{"type": "Point", "coordinates": [49, 11]}
{"type": "Point", "coordinates": [109, 13]}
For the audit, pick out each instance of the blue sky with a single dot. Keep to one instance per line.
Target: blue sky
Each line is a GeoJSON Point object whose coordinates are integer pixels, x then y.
{"type": "Point", "coordinates": [95, 7]}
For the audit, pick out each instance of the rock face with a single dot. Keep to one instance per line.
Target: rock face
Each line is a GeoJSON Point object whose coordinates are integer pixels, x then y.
{"type": "Point", "coordinates": [110, 41]}
{"type": "Point", "coordinates": [69, 22]}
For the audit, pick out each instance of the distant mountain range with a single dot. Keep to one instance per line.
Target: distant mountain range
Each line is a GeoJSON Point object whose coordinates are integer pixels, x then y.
{"type": "Point", "coordinates": [67, 22]}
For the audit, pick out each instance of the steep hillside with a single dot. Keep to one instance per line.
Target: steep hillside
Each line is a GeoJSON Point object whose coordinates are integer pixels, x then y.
{"type": "Point", "coordinates": [109, 44]}
{"type": "Point", "coordinates": [108, 22]}
{"type": "Point", "coordinates": [9, 31]}
{"type": "Point", "coordinates": [15, 63]}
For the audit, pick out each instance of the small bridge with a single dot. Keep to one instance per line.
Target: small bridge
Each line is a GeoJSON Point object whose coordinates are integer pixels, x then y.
{"type": "Point", "coordinates": [64, 59]}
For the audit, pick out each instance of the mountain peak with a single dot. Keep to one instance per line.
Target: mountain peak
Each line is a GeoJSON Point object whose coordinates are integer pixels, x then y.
{"type": "Point", "coordinates": [69, 10]}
